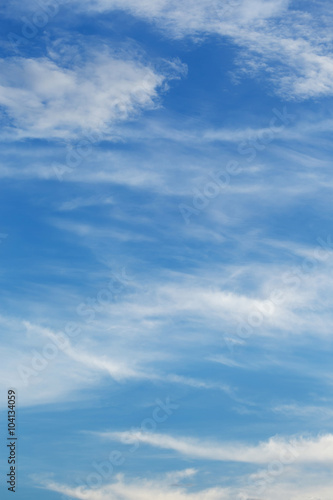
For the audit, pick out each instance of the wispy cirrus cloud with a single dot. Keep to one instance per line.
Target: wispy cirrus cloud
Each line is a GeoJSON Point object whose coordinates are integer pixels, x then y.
{"type": "Point", "coordinates": [123, 489]}
{"type": "Point", "coordinates": [294, 483]}
{"type": "Point", "coordinates": [277, 39]}
{"type": "Point", "coordinates": [190, 17]}
{"type": "Point", "coordinates": [305, 450]}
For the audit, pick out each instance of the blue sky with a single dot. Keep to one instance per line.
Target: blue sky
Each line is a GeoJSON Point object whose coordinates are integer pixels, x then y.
{"type": "Point", "coordinates": [167, 248]}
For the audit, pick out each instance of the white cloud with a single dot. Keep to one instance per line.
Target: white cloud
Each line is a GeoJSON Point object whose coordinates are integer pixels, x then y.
{"type": "Point", "coordinates": [51, 367]}
{"type": "Point", "coordinates": [192, 17]}
{"type": "Point", "coordinates": [80, 202]}
{"type": "Point", "coordinates": [302, 450]}
{"type": "Point", "coordinates": [139, 338]}
{"type": "Point", "coordinates": [123, 489]}
{"type": "Point", "coordinates": [43, 99]}
{"type": "Point", "coordinates": [290, 483]}
{"type": "Point", "coordinates": [304, 411]}
{"type": "Point", "coordinates": [290, 45]}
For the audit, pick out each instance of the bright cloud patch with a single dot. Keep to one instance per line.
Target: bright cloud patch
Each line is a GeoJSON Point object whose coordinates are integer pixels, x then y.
{"type": "Point", "coordinates": [43, 99]}
{"type": "Point", "coordinates": [269, 484]}
{"type": "Point", "coordinates": [303, 450]}
{"type": "Point", "coordinates": [274, 37]}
